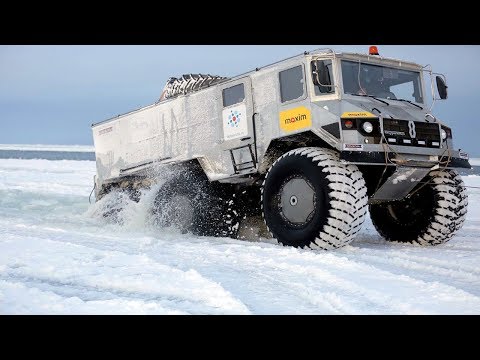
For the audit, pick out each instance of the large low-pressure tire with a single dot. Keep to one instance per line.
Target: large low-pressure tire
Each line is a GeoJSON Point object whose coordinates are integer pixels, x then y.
{"type": "Point", "coordinates": [431, 216]}
{"type": "Point", "coordinates": [188, 83]}
{"type": "Point", "coordinates": [310, 199]}
{"type": "Point", "coordinates": [196, 206]}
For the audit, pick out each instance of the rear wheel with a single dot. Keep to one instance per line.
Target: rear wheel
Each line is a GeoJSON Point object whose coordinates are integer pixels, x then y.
{"type": "Point", "coordinates": [197, 206]}
{"type": "Point", "coordinates": [431, 216]}
{"type": "Point", "coordinates": [311, 199]}
{"type": "Point", "coordinates": [113, 202]}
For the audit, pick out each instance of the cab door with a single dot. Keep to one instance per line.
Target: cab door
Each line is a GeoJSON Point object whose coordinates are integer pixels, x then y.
{"type": "Point", "coordinates": [238, 128]}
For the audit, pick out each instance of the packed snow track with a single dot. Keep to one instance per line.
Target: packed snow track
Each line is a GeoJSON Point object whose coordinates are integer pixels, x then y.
{"type": "Point", "coordinates": [59, 256]}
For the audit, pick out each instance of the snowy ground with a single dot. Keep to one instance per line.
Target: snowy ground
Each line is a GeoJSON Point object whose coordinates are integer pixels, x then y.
{"type": "Point", "coordinates": [57, 257]}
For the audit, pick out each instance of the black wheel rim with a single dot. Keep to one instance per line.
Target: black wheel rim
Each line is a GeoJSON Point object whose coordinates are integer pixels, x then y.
{"type": "Point", "coordinates": [180, 212]}
{"type": "Point", "coordinates": [296, 201]}
{"type": "Point", "coordinates": [413, 210]}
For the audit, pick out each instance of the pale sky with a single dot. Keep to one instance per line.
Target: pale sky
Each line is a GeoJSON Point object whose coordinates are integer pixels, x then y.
{"type": "Point", "coordinates": [52, 94]}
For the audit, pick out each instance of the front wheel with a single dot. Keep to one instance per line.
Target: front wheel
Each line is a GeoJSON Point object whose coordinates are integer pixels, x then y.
{"type": "Point", "coordinates": [431, 216]}
{"type": "Point", "coordinates": [311, 199]}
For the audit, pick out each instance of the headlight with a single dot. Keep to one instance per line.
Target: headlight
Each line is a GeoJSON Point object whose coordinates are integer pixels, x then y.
{"type": "Point", "coordinates": [367, 127]}
{"type": "Point", "coordinates": [444, 134]}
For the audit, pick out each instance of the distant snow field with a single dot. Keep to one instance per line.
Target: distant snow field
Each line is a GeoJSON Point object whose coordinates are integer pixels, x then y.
{"type": "Point", "coordinates": [32, 147]}
{"type": "Point", "coordinates": [57, 256]}
{"type": "Point", "coordinates": [475, 162]}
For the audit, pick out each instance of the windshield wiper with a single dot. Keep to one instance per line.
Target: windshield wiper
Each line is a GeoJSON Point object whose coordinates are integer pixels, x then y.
{"type": "Point", "coordinates": [408, 101]}
{"type": "Point", "coordinates": [372, 97]}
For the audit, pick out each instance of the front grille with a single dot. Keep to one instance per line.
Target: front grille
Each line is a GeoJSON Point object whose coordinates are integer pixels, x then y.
{"type": "Point", "coordinates": [422, 134]}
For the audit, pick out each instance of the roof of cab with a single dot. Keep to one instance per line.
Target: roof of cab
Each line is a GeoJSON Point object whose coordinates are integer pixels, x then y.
{"type": "Point", "coordinates": [366, 56]}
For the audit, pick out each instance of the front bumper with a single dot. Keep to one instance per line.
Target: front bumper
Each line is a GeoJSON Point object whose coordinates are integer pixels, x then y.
{"type": "Point", "coordinates": [390, 158]}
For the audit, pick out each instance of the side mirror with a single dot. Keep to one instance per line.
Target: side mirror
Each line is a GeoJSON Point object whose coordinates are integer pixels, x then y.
{"type": "Point", "coordinates": [321, 75]}
{"type": "Point", "coordinates": [441, 87]}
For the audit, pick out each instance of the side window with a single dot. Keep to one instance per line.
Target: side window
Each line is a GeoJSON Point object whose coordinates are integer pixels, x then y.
{"type": "Point", "coordinates": [291, 83]}
{"type": "Point", "coordinates": [233, 95]}
{"type": "Point", "coordinates": [322, 76]}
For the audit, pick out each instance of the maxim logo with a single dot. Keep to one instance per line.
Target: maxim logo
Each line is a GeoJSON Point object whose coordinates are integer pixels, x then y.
{"type": "Point", "coordinates": [300, 117]}
{"type": "Point", "coordinates": [295, 119]}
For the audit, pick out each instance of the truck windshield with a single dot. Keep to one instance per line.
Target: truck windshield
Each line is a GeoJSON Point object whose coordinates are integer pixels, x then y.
{"type": "Point", "coordinates": [380, 81]}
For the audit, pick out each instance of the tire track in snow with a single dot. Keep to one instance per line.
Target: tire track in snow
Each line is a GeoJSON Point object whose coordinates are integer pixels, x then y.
{"type": "Point", "coordinates": [314, 285]}
{"type": "Point", "coordinates": [320, 273]}
{"type": "Point", "coordinates": [345, 296]}
{"type": "Point", "coordinates": [420, 267]}
{"type": "Point", "coordinates": [73, 270]}
{"type": "Point", "coordinates": [89, 293]}
{"type": "Point", "coordinates": [370, 296]}
{"type": "Point", "coordinates": [92, 259]}
{"type": "Point", "coordinates": [21, 299]}
{"type": "Point", "coordinates": [330, 301]}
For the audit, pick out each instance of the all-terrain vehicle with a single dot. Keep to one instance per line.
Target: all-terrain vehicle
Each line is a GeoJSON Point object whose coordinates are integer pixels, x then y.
{"type": "Point", "coordinates": [307, 143]}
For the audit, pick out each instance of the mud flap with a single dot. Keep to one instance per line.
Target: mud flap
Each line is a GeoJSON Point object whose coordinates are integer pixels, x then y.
{"type": "Point", "coordinates": [399, 184]}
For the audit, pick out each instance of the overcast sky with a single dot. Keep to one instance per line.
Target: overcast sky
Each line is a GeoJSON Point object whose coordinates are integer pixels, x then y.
{"type": "Point", "coordinates": [52, 94]}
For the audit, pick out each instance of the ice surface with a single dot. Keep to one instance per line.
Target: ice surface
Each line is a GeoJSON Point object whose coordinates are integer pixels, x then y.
{"type": "Point", "coordinates": [39, 147]}
{"type": "Point", "coordinates": [57, 255]}
{"type": "Point", "coordinates": [475, 162]}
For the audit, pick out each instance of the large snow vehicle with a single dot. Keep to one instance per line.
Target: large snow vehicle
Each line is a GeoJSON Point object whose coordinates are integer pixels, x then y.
{"type": "Point", "coordinates": [307, 143]}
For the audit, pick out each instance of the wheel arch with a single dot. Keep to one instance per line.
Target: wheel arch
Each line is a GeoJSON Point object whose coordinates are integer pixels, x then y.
{"type": "Point", "coordinates": [278, 147]}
